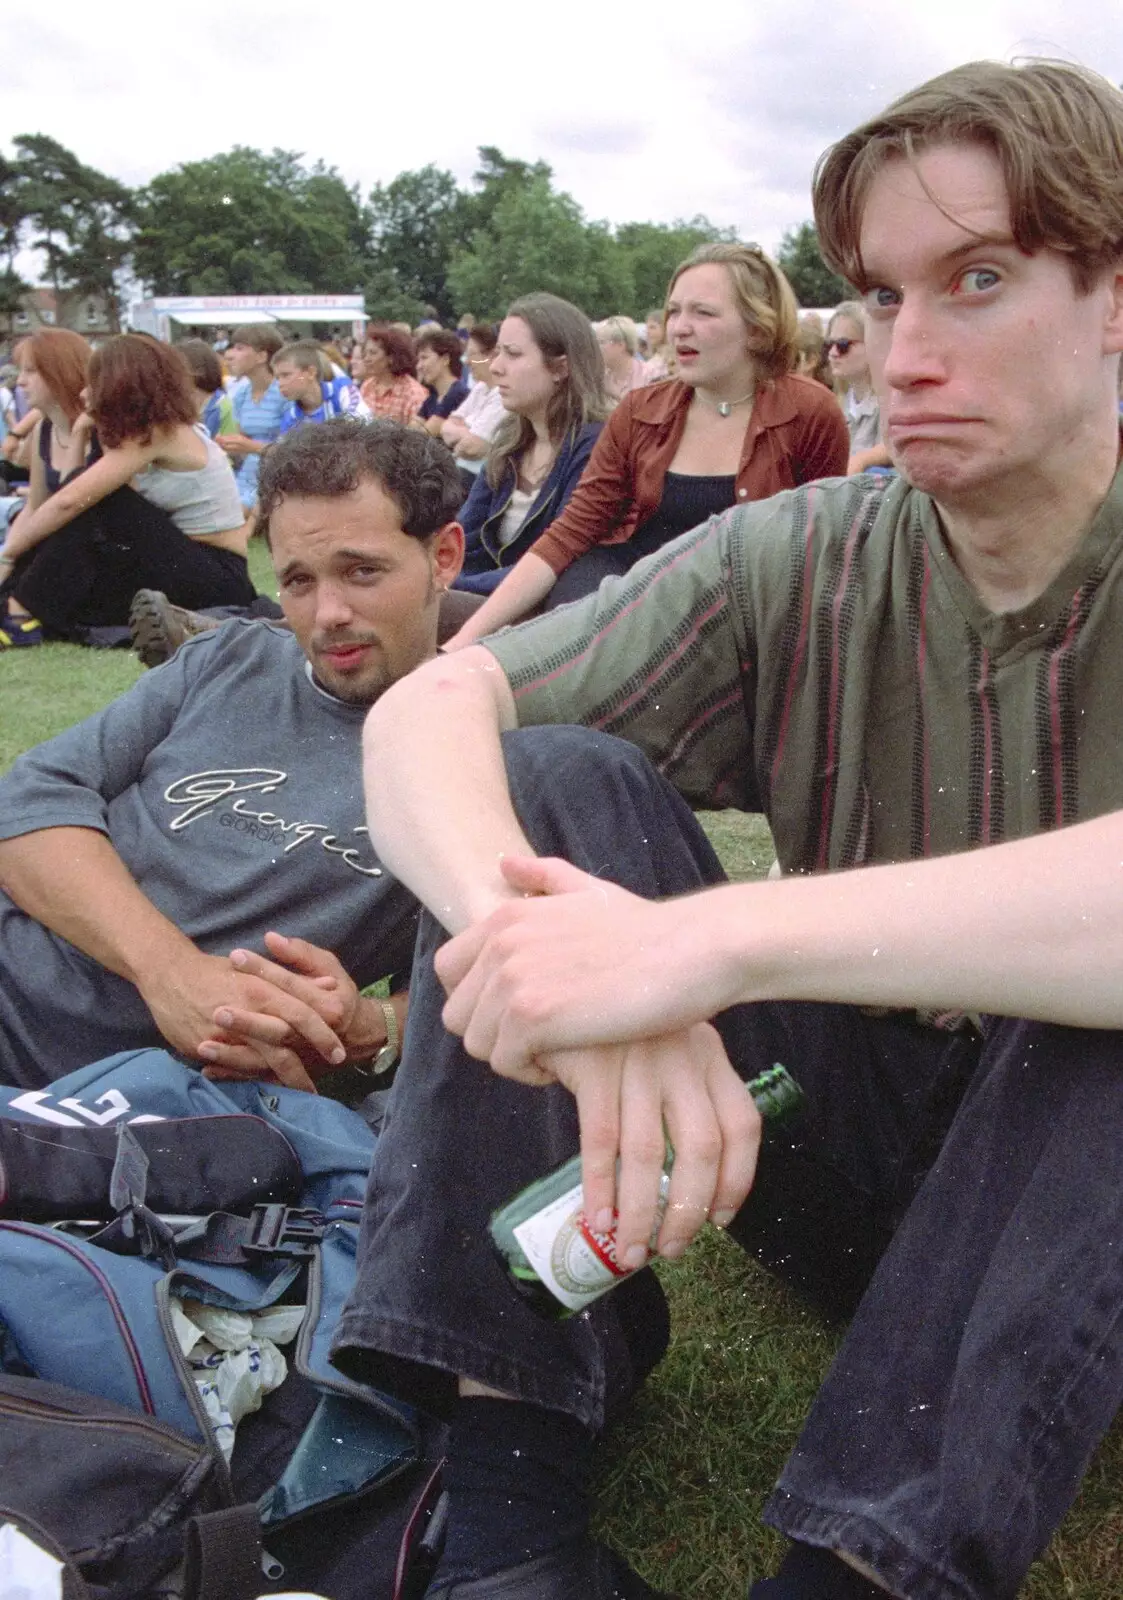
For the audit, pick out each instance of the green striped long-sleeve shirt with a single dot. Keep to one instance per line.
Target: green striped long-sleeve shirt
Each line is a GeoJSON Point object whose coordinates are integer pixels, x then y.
{"type": "Point", "coordinates": [820, 657]}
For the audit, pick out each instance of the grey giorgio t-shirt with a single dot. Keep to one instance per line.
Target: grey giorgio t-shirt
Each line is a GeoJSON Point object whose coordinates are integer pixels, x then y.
{"type": "Point", "coordinates": [231, 787]}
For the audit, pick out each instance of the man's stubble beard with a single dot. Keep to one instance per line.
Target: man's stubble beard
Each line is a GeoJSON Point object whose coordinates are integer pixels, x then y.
{"type": "Point", "coordinates": [355, 694]}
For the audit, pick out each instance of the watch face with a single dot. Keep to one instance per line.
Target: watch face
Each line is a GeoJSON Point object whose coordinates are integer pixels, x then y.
{"type": "Point", "coordinates": [386, 1058]}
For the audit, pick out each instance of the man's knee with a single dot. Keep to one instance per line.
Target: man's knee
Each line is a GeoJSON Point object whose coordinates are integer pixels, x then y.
{"type": "Point", "coordinates": [598, 802]}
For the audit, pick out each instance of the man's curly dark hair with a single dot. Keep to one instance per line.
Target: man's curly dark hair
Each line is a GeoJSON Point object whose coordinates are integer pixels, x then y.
{"type": "Point", "coordinates": [329, 459]}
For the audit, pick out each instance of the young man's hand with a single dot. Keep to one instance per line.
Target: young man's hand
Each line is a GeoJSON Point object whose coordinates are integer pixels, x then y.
{"type": "Point", "coordinates": [631, 1099]}
{"type": "Point", "coordinates": [577, 961]}
{"type": "Point", "coordinates": [248, 1000]}
{"type": "Point", "coordinates": [259, 1044]}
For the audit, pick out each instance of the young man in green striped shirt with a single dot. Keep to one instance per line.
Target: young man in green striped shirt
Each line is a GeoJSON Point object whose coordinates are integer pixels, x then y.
{"type": "Point", "coordinates": [921, 681]}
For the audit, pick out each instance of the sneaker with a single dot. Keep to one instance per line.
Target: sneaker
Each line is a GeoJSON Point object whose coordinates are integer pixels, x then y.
{"type": "Point", "coordinates": [158, 628]}
{"type": "Point", "coordinates": [582, 1571]}
{"type": "Point", "coordinates": [18, 633]}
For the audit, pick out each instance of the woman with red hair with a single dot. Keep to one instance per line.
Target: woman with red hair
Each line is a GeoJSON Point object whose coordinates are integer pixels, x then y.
{"type": "Point", "coordinates": [156, 507]}
{"type": "Point", "coordinates": [53, 365]}
{"type": "Point", "coordinates": [52, 375]}
{"type": "Point", "coordinates": [390, 389]}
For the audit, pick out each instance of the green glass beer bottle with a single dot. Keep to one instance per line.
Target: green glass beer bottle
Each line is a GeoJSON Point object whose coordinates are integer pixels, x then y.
{"type": "Point", "coordinates": [555, 1259]}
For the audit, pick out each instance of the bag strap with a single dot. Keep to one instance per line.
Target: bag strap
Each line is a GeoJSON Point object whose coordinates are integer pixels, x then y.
{"type": "Point", "coordinates": [422, 1538]}
{"type": "Point", "coordinates": [271, 1229]}
{"type": "Point", "coordinates": [220, 1239]}
{"type": "Point", "coordinates": [223, 1555]}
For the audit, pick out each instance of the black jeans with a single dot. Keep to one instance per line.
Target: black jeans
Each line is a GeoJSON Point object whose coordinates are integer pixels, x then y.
{"type": "Point", "coordinates": [85, 574]}
{"type": "Point", "coordinates": [962, 1192]}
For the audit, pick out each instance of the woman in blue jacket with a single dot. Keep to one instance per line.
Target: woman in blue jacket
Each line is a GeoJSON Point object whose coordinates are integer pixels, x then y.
{"type": "Point", "coordinates": [549, 371]}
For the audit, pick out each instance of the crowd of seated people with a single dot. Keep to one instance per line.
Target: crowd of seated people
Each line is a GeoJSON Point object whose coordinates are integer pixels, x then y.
{"type": "Point", "coordinates": [582, 447]}
{"type": "Point", "coordinates": [736, 424]}
{"type": "Point", "coordinates": [589, 458]}
{"type": "Point", "coordinates": [127, 493]}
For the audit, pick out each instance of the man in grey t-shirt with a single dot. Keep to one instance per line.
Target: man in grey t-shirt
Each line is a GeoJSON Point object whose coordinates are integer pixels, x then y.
{"type": "Point", "coordinates": [190, 866]}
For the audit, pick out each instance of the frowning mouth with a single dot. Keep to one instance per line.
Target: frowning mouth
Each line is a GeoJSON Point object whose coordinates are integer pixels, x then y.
{"type": "Point", "coordinates": [925, 424]}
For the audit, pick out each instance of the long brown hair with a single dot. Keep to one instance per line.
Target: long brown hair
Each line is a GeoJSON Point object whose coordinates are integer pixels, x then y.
{"type": "Point", "coordinates": [62, 360]}
{"type": "Point", "coordinates": [559, 330]}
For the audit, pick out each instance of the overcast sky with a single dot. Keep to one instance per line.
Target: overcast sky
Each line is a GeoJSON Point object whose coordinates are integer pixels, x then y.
{"type": "Point", "coordinates": [646, 110]}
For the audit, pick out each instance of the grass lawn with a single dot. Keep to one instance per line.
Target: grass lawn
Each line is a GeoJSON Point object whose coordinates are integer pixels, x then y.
{"type": "Point", "coordinates": [684, 1478]}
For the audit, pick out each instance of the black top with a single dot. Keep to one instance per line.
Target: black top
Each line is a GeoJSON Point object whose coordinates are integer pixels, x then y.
{"type": "Point", "coordinates": [688, 500]}
{"type": "Point", "coordinates": [444, 405]}
{"type": "Point", "coordinates": [51, 475]}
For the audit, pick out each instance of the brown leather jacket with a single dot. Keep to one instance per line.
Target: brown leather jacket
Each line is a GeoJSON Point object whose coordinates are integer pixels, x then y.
{"type": "Point", "coordinates": [796, 433]}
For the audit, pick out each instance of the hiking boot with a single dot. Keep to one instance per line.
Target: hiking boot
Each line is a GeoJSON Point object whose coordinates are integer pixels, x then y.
{"type": "Point", "coordinates": [582, 1571]}
{"type": "Point", "coordinates": [158, 628]}
{"type": "Point", "coordinates": [18, 633]}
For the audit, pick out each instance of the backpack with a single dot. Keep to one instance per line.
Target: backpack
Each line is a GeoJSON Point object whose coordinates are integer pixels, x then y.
{"type": "Point", "coordinates": [88, 1317]}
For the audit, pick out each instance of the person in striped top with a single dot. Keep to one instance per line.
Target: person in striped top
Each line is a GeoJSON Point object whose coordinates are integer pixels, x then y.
{"type": "Point", "coordinates": [918, 682]}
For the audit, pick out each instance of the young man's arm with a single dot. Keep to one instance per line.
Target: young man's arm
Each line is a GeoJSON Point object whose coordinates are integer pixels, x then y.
{"type": "Point", "coordinates": [1032, 928]}
{"type": "Point", "coordinates": [440, 811]}
{"type": "Point", "coordinates": [441, 818]}
{"type": "Point", "coordinates": [59, 865]}
{"type": "Point", "coordinates": [72, 880]}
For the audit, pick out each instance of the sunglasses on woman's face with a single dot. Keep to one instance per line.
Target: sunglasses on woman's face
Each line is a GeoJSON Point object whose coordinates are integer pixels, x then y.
{"type": "Point", "coordinates": [841, 345]}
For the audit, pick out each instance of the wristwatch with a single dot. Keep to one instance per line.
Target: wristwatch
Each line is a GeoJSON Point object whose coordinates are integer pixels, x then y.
{"type": "Point", "coordinates": [387, 1058]}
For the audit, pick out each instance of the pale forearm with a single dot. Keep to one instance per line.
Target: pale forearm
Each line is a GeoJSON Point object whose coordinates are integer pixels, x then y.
{"type": "Point", "coordinates": [525, 586]}
{"type": "Point", "coordinates": [1029, 929]}
{"type": "Point", "coordinates": [74, 882]}
{"type": "Point", "coordinates": [438, 807]}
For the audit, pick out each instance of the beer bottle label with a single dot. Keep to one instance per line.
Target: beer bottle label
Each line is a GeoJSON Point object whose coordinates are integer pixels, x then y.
{"type": "Point", "coordinates": [575, 1262]}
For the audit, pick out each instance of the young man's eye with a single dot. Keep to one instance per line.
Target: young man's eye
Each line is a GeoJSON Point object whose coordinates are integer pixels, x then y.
{"type": "Point", "coordinates": [977, 280]}
{"type": "Point", "coordinates": [295, 580]}
{"type": "Point", "coordinates": [881, 298]}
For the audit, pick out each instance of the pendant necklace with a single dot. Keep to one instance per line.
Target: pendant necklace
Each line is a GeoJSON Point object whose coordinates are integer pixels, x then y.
{"type": "Point", "coordinates": [724, 407]}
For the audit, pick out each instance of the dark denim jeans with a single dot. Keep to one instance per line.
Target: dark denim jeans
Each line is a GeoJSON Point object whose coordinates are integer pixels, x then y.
{"type": "Point", "coordinates": [961, 1193]}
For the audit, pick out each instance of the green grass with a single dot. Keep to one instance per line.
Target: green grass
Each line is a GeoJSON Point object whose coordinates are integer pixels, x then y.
{"type": "Point", "coordinates": [684, 1478]}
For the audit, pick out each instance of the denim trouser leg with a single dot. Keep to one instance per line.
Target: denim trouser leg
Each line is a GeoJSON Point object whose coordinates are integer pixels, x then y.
{"type": "Point", "coordinates": [984, 1363]}
{"type": "Point", "coordinates": [431, 1300]}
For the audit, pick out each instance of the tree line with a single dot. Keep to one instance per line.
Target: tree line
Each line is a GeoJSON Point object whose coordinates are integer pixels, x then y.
{"type": "Point", "coordinates": [250, 221]}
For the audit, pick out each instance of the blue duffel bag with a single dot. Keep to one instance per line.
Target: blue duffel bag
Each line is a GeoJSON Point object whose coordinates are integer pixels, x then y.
{"type": "Point", "coordinates": [90, 1306]}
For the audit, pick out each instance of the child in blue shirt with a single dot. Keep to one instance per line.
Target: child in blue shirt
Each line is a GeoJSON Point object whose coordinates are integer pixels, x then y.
{"type": "Point", "coordinates": [309, 397]}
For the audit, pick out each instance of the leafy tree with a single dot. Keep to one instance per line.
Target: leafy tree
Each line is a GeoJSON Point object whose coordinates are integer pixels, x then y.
{"type": "Point", "coordinates": [13, 211]}
{"type": "Point", "coordinates": [12, 291]}
{"type": "Point", "coordinates": [249, 222]}
{"type": "Point", "coordinates": [416, 222]}
{"type": "Point", "coordinates": [654, 249]}
{"type": "Point", "coordinates": [537, 239]}
{"type": "Point", "coordinates": [80, 218]}
{"type": "Point", "coordinates": [498, 178]}
{"type": "Point", "coordinates": [387, 301]}
{"type": "Point", "coordinates": [813, 281]}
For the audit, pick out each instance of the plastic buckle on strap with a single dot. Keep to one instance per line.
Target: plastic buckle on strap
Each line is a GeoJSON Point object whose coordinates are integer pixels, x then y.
{"type": "Point", "coordinates": [279, 1230]}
